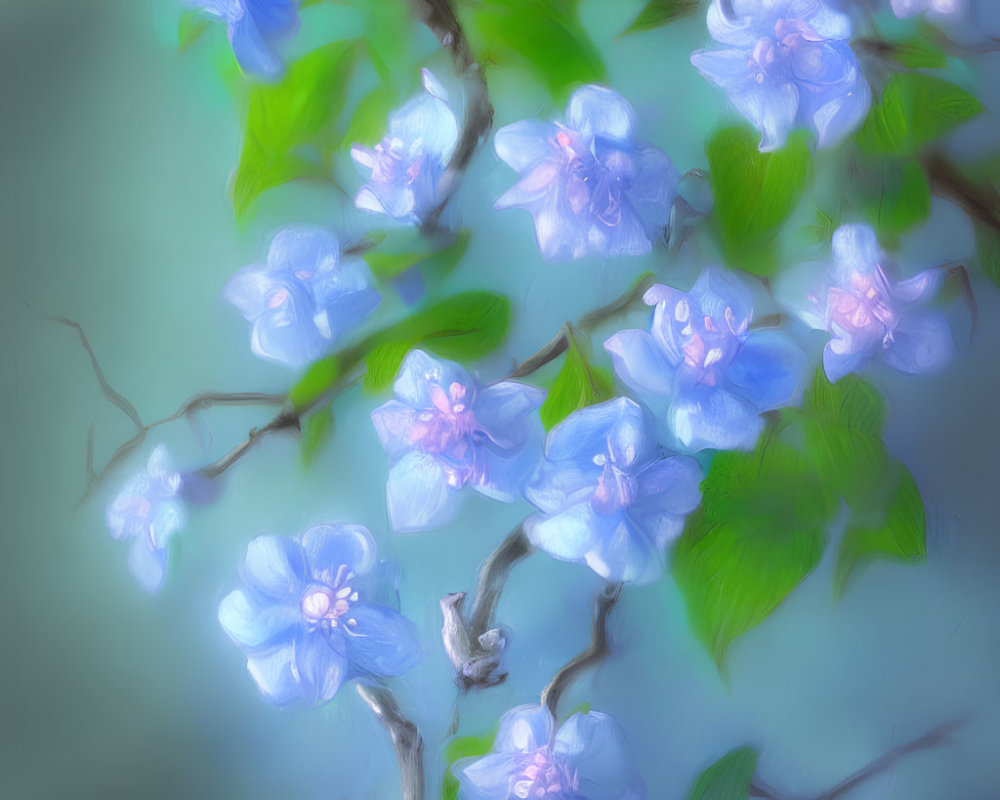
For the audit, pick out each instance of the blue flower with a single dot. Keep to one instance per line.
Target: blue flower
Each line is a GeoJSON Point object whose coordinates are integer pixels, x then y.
{"type": "Point", "coordinates": [933, 8]}
{"type": "Point", "coordinates": [445, 432]}
{"type": "Point", "coordinates": [788, 64]}
{"type": "Point", "coordinates": [406, 168]}
{"type": "Point", "coordinates": [588, 758]}
{"type": "Point", "coordinates": [590, 183]}
{"type": "Point", "coordinates": [867, 311]}
{"type": "Point", "coordinates": [608, 495]}
{"type": "Point", "coordinates": [304, 299]}
{"type": "Point", "coordinates": [317, 610]}
{"type": "Point", "coordinates": [703, 370]}
{"type": "Point", "coordinates": [256, 29]}
{"type": "Point", "coordinates": [148, 510]}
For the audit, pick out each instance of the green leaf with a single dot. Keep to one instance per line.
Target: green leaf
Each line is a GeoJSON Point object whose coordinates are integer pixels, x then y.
{"type": "Point", "coordinates": [463, 747]}
{"type": "Point", "coordinates": [899, 536]}
{"type": "Point", "coordinates": [292, 122]}
{"type": "Point", "coordinates": [915, 110]}
{"type": "Point", "coordinates": [754, 193]}
{"type": "Point", "coordinates": [919, 53]}
{"type": "Point", "coordinates": [462, 327]}
{"type": "Point", "coordinates": [370, 117]}
{"type": "Point", "coordinates": [822, 231]}
{"type": "Point", "coordinates": [657, 13]}
{"type": "Point", "coordinates": [578, 384]}
{"type": "Point", "coordinates": [400, 251]}
{"type": "Point", "coordinates": [320, 378]}
{"type": "Point", "coordinates": [843, 434]}
{"type": "Point", "coordinates": [315, 433]}
{"type": "Point", "coordinates": [901, 199]}
{"type": "Point", "coordinates": [543, 35]}
{"type": "Point", "coordinates": [190, 27]}
{"type": "Point", "coordinates": [728, 778]}
{"type": "Point", "coordinates": [760, 530]}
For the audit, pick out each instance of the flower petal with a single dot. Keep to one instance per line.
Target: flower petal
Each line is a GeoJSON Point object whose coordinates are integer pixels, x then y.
{"type": "Point", "coordinates": [597, 111]}
{"type": "Point", "coordinates": [148, 564]}
{"type": "Point", "coordinates": [921, 343]}
{"type": "Point", "coordinates": [420, 372]}
{"type": "Point", "coordinates": [506, 410]}
{"type": "Point", "coordinates": [594, 747]}
{"type": "Point", "coordinates": [524, 729]}
{"type": "Point", "coordinates": [251, 624]}
{"type": "Point", "coordinates": [274, 566]}
{"type": "Point", "coordinates": [380, 641]}
{"type": "Point", "coordinates": [486, 778]}
{"type": "Point", "coordinates": [421, 494]}
{"type": "Point", "coordinates": [640, 362]}
{"type": "Point", "coordinates": [328, 547]}
{"type": "Point", "coordinates": [770, 370]}
{"type": "Point", "coordinates": [569, 535]}
{"type": "Point", "coordinates": [715, 418]}
{"type": "Point", "coordinates": [669, 485]}
{"type": "Point", "coordinates": [525, 144]}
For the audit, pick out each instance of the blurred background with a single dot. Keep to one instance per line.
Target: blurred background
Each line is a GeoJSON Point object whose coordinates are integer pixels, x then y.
{"type": "Point", "coordinates": [115, 152]}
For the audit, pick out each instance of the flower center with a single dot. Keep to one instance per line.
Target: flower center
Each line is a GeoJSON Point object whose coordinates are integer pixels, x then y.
{"type": "Point", "coordinates": [861, 307]}
{"type": "Point", "coordinates": [325, 605]}
{"type": "Point", "coordinates": [450, 426]}
{"type": "Point", "coordinates": [542, 776]}
{"type": "Point", "coordinates": [616, 488]}
{"type": "Point", "coordinates": [772, 55]}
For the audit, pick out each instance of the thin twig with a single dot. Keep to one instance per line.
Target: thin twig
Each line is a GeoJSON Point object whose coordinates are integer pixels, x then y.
{"type": "Point", "coordinates": [405, 738]}
{"type": "Point", "coordinates": [764, 790]}
{"type": "Point", "coordinates": [558, 345]}
{"type": "Point", "coordinates": [439, 16]}
{"type": "Point", "coordinates": [473, 642]}
{"type": "Point", "coordinates": [594, 654]}
{"type": "Point", "coordinates": [932, 739]}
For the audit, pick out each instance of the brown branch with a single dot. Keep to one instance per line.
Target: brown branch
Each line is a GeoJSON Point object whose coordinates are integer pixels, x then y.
{"type": "Point", "coordinates": [473, 642]}
{"type": "Point", "coordinates": [558, 345]}
{"type": "Point", "coordinates": [979, 200]}
{"type": "Point", "coordinates": [439, 16]}
{"type": "Point", "coordinates": [596, 652]}
{"type": "Point", "coordinates": [405, 735]}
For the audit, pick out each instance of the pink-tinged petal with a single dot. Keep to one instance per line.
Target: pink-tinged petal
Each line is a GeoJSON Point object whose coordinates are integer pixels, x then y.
{"type": "Point", "coordinates": [420, 372]}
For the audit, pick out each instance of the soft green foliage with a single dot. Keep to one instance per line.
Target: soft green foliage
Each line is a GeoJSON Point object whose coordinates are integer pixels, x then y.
{"type": "Point", "coordinates": [316, 432]}
{"type": "Point", "coordinates": [368, 122]}
{"type": "Point", "coordinates": [190, 27]}
{"type": "Point", "coordinates": [292, 126]}
{"type": "Point", "coordinates": [754, 193]}
{"type": "Point", "coordinates": [898, 199]}
{"type": "Point", "coordinates": [401, 250]}
{"type": "Point", "coordinates": [462, 747]}
{"type": "Point", "coordinates": [914, 111]}
{"type": "Point", "coordinates": [728, 778]}
{"type": "Point", "coordinates": [919, 52]}
{"type": "Point", "coordinates": [900, 535]}
{"type": "Point", "coordinates": [578, 384]}
{"type": "Point", "coordinates": [822, 231]}
{"type": "Point", "coordinates": [543, 35]}
{"type": "Point", "coordinates": [843, 436]}
{"type": "Point", "coordinates": [760, 530]}
{"type": "Point", "coordinates": [657, 13]}
{"type": "Point", "coordinates": [462, 327]}
{"type": "Point", "coordinates": [320, 378]}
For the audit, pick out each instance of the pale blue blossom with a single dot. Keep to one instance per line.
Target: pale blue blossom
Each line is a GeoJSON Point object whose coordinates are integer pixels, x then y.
{"type": "Point", "coordinates": [587, 758]}
{"type": "Point", "coordinates": [786, 64]}
{"type": "Point", "coordinates": [701, 368]}
{"type": "Point", "coordinates": [405, 169]}
{"type": "Point", "coordinates": [608, 495]}
{"type": "Point", "coordinates": [867, 310]}
{"type": "Point", "coordinates": [304, 298]}
{"type": "Point", "coordinates": [933, 8]}
{"type": "Point", "coordinates": [317, 610]}
{"type": "Point", "coordinates": [445, 431]}
{"type": "Point", "coordinates": [148, 512]}
{"type": "Point", "coordinates": [256, 29]}
{"type": "Point", "coordinates": [591, 184]}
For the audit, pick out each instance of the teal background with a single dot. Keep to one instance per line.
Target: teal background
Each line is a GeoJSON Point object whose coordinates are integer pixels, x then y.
{"type": "Point", "coordinates": [115, 152]}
